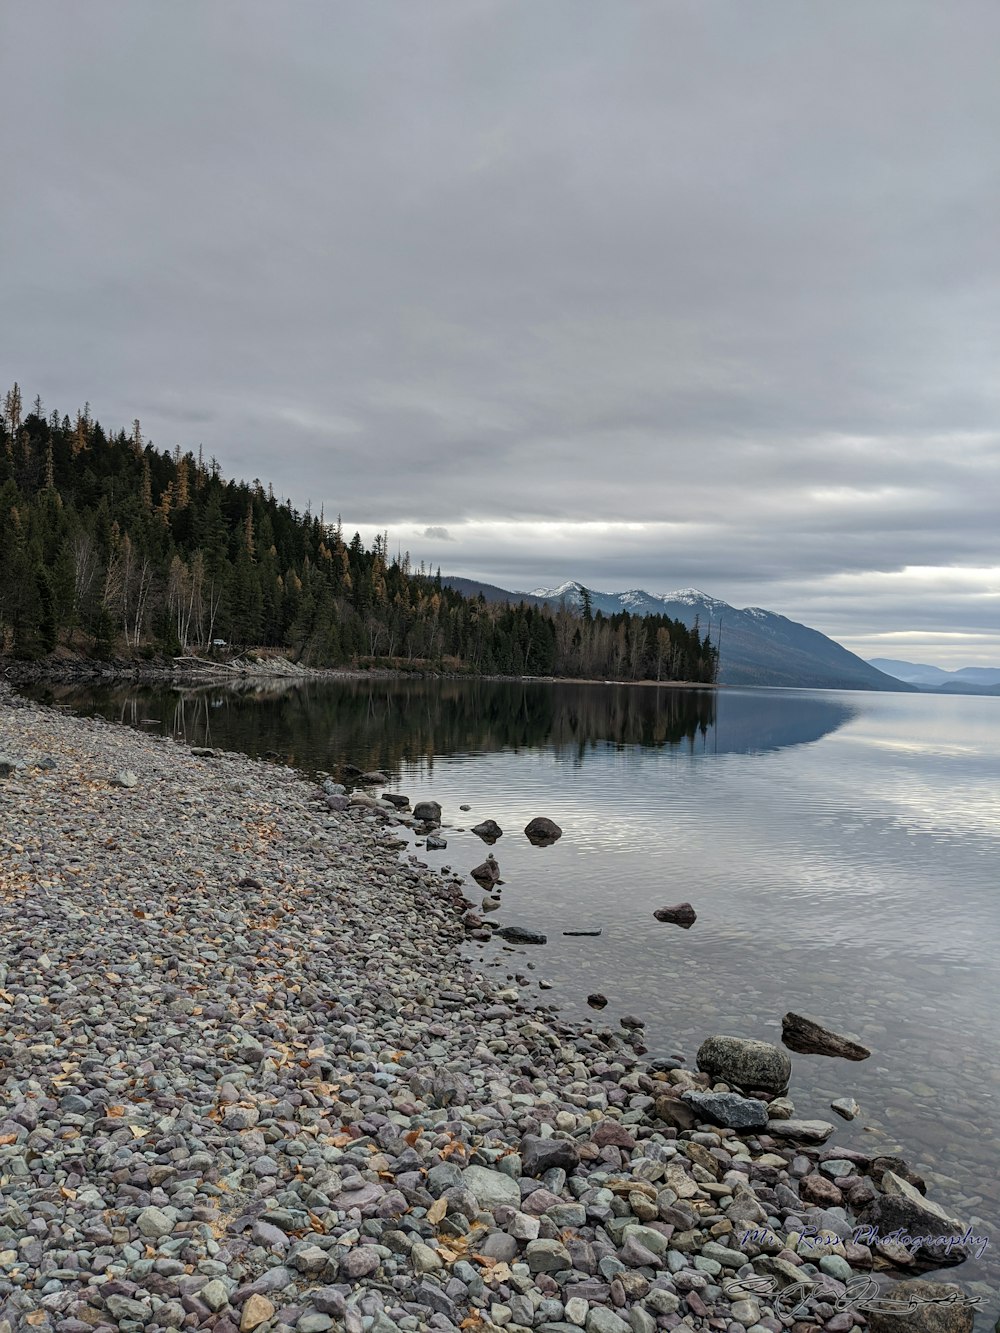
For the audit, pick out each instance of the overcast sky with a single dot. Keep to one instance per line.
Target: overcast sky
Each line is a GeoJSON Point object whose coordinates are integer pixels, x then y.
{"type": "Point", "coordinates": [646, 295]}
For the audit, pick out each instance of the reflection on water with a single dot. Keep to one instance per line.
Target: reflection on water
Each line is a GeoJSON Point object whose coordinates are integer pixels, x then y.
{"type": "Point", "coordinates": [385, 723]}
{"type": "Point", "coordinates": [841, 852]}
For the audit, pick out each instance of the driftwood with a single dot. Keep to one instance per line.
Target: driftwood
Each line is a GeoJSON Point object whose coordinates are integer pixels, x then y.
{"type": "Point", "coordinates": [807, 1037]}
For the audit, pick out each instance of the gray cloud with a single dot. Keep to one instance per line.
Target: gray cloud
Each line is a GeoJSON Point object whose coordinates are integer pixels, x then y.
{"type": "Point", "coordinates": [438, 534]}
{"type": "Point", "coordinates": [500, 264]}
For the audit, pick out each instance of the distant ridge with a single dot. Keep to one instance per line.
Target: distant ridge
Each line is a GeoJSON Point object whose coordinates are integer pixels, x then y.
{"type": "Point", "coordinates": [758, 647]}
{"type": "Point", "coordinates": [965, 680]}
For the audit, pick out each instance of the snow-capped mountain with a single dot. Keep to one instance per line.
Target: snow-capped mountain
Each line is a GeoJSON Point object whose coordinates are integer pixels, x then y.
{"type": "Point", "coordinates": [757, 646]}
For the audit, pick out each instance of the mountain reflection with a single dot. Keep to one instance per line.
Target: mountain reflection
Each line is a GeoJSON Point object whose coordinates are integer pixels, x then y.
{"type": "Point", "coordinates": [383, 724]}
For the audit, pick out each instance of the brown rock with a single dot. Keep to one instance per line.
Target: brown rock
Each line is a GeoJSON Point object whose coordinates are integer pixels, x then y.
{"type": "Point", "coordinates": [815, 1188]}
{"type": "Point", "coordinates": [681, 914]}
{"type": "Point", "coordinates": [674, 1112]}
{"type": "Point", "coordinates": [948, 1313]}
{"type": "Point", "coordinates": [257, 1310]}
{"type": "Point", "coordinates": [542, 832]}
{"type": "Point", "coordinates": [609, 1133]}
{"type": "Point", "coordinates": [806, 1036]}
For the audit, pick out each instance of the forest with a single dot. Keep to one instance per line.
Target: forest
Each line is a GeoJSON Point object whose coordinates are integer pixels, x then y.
{"type": "Point", "coordinates": [113, 548]}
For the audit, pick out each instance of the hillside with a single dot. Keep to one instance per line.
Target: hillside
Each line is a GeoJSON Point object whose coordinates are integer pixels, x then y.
{"type": "Point", "coordinates": [964, 680]}
{"type": "Point", "coordinates": [111, 547]}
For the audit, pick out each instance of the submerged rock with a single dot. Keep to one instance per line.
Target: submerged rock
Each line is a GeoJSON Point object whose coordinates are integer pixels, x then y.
{"type": "Point", "coordinates": [521, 935]}
{"type": "Point", "coordinates": [487, 873]}
{"type": "Point", "coordinates": [682, 914]}
{"type": "Point", "coordinates": [807, 1036]}
{"type": "Point", "coordinates": [923, 1307]}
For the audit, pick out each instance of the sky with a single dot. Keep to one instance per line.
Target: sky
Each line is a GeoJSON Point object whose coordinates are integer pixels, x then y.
{"type": "Point", "coordinates": [686, 293]}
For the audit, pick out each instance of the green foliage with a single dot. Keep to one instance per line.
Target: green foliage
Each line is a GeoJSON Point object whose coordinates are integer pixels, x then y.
{"type": "Point", "coordinates": [111, 545]}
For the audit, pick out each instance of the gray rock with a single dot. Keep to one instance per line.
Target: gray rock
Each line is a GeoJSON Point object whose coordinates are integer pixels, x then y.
{"type": "Point", "coordinates": [804, 1131]}
{"type": "Point", "coordinates": [728, 1109]}
{"type": "Point", "coordinates": [539, 1155]}
{"type": "Point", "coordinates": [154, 1223]}
{"type": "Point", "coordinates": [491, 1188]}
{"type": "Point", "coordinates": [8, 765]}
{"type": "Point", "coordinates": [487, 873]}
{"type": "Point", "coordinates": [846, 1107]}
{"type": "Point", "coordinates": [435, 843]}
{"type": "Point", "coordinates": [547, 1256]}
{"type": "Point", "coordinates": [124, 778]}
{"type": "Point", "coordinates": [745, 1063]}
{"type": "Point", "coordinates": [427, 812]}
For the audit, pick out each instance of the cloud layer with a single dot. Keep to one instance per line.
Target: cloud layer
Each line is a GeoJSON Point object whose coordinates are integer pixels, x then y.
{"type": "Point", "coordinates": [655, 295]}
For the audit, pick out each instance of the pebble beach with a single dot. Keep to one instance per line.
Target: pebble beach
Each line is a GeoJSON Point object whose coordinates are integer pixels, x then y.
{"type": "Point", "coordinates": [251, 1079]}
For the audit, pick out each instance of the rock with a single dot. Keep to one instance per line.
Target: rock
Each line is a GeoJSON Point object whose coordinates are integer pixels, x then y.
{"type": "Point", "coordinates": [375, 778]}
{"type": "Point", "coordinates": [728, 1109]}
{"type": "Point", "coordinates": [903, 1206]}
{"type": "Point", "coordinates": [681, 914]}
{"type": "Point", "coordinates": [360, 1262]}
{"type": "Point", "coordinates": [489, 830]}
{"type": "Point", "coordinates": [673, 1111]}
{"type": "Point", "coordinates": [465, 807]}
{"type": "Point", "coordinates": [427, 812]}
{"type": "Point", "coordinates": [215, 1295]}
{"type": "Point", "coordinates": [547, 1256]}
{"type": "Point", "coordinates": [591, 934]}
{"type": "Point", "coordinates": [435, 843]}
{"type": "Point", "coordinates": [521, 935]}
{"type": "Point", "coordinates": [538, 1155]}
{"type": "Point", "coordinates": [542, 832]}
{"type": "Point", "coordinates": [125, 778]}
{"type": "Point", "coordinates": [805, 1131]}
{"type": "Point", "coordinates": [487, 873]}
{"type": "Point", "coordinates": [934, 1307]}
{"type": "Point", "coordinates": [815, 1188]}
{"type": "Point", "coordinates": [597, 1000]}
{"type": "Point", "coordinates": [807, 1036]}
{"type": "Point", "coordinates": [8, 765]}
{"type": "Point", "coordinates": [745, 1063]}
{"type": "Point", "coordinates": [154, 1223]}
{"type": "Point", "coordinates": [400, 802]}
{"type": "Point", "coordinates": [846, 1107]}
{"type": "Point", "coordinates": [491, 1188]}
{"type": "Point", "coordinates": [257, 1310]}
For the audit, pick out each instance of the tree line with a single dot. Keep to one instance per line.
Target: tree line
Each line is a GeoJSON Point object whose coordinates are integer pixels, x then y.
{"type": "Point", "coordinates": [110, 546]}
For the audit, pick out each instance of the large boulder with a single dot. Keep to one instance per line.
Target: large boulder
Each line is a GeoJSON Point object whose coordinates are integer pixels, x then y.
{"type": "Point", "coordinates": [542, 832]}
{"type": "Point", "coordinates": [922, 1307]}
{"type": "Point", "coordinates": [754, 1066]}
{"type": "Point", "coordinates": [807, 1036]}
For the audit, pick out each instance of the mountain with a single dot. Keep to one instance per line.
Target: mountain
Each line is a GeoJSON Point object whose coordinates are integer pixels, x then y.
{"type": "Point", "coordinates": [757, 647]}
{"type": "Point", "coordinates": [965, 680]}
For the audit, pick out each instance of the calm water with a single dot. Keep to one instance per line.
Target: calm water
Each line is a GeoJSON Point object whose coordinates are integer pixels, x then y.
{"type": "Point", "coordinates": [841, 851]}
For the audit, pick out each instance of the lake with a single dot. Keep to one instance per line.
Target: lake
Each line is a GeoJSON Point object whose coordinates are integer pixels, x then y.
{"type": "Point", "coordinates": [841, 851]}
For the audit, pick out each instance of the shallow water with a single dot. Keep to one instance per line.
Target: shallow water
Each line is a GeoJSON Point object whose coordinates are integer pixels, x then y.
{"type": "Point", "coordinates": [841, 851]}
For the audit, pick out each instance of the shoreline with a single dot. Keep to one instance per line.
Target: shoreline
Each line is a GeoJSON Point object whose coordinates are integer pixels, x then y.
{"type": "Point", "coordinates": [195, 671]}
{"type": "Point", "coordinates": [249, 1071]}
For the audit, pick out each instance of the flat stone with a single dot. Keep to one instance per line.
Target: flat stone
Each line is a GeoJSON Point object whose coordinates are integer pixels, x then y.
{"type": "Point", "coordinates": [806, 1131]}
{"type": "Point", "coordinates": [728, 1109]}
{"type": "Point", "coordinates": [256, 1311]}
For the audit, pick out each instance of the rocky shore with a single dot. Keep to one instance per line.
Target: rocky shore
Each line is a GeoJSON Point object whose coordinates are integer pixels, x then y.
{"type": "Point", "coordinates": [250, 1081]}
